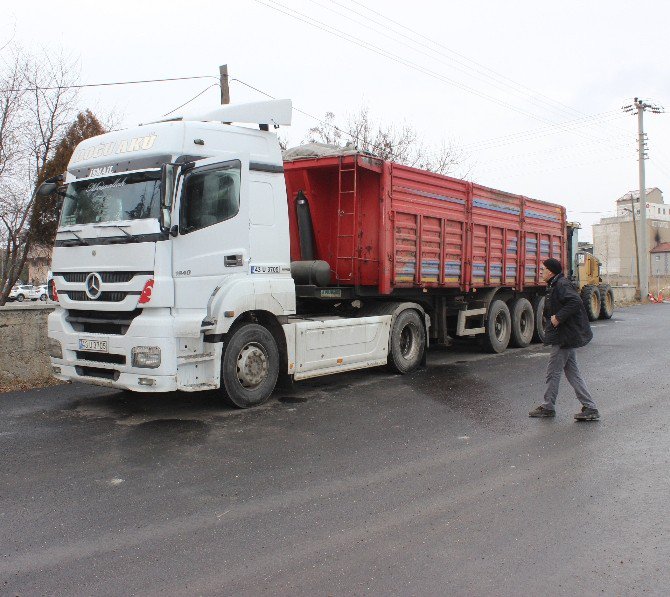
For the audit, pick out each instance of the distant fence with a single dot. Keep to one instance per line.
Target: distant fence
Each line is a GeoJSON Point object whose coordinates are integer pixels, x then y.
{"type": "Point", "coordinates": [24, 357]}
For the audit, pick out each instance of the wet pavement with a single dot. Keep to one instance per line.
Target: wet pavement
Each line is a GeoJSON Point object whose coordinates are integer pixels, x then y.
{"type": "Point", "coordinates": [364, 483]}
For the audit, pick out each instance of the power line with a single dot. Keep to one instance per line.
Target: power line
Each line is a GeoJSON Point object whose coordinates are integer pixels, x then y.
{"type": "Point", "coordinates": [82, 85]}
{"type": "Point", "coordinates": [193, 98]}
{"type": "Point", "coordinates": [558, 105]}
{"type": "Point", "coordinates": [394, 57]}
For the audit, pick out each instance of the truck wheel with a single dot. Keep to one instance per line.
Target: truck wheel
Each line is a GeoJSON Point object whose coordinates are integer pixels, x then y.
{"type": "Point", "coordinates": [523, 323]}
{"type": "Point", "coordinates": [249, 366]}
{"type": "Point", "coordinates": [591, 300]}
{"type": "Point", "coordinates": [606, 301]}
{"type": "Point", "coordinates": [408, 342]}
{"type": "Point", "coordinates": [540, 322]}
{"type": "Point", "coordinates": [498, 327]}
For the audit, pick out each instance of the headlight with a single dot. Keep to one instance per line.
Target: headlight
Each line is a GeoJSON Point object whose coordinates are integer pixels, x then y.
{"type": "Point", "coordinates": [148, 357]}
{"type": "Point", "coordinates": [55, 349]}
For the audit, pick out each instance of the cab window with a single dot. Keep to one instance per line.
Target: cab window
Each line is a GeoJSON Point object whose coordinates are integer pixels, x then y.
{"type": "Point", "coordinates": [210, 196]}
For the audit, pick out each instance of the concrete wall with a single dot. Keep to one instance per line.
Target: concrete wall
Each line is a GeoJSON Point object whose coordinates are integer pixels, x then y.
{"type": "Point", "coordinates": [23, 344]}
{"type": "Point", "coordinates": [623, 294]}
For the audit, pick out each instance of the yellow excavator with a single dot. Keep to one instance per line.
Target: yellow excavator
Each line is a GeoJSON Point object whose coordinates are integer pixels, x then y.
{"type": "Point", "coordinates": [598, 298]}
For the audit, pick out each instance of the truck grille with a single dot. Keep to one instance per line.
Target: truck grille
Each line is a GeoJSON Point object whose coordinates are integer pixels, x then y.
{"type": "Point", "coordinates": [115, 323]}
{"type": "Point", "coordinates": [113, 296]}
{"type": "Point", "coordinates": [100, 357]}
{"type": "Point", "coordinates": [107, 277]}
{"type": "Point", "coordinates": [97, 372]}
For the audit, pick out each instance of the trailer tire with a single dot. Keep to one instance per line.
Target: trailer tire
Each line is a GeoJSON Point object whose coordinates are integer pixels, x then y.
{"type": "Point", "coordinates": [407, 342]}
{"type": "Point", "coordinates": [591, 300]}
{"type": "Point", "coordinates": [538, 310]}
{"type": "Point", "coordinates": [249, 366]}
{"type": "Point", "coordinates": [498, 327]}
{"type": "Point", "coordinates": [523, 323]}
{"type": "Point", "coordinates": [606, 301]}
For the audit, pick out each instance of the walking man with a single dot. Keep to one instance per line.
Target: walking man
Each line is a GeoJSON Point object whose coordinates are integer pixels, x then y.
{"type": "Point", "coordinates": [567, 328]}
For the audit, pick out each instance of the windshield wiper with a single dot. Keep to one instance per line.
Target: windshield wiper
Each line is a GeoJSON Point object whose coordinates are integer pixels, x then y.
{"type": "Point", "coordinates": [79, 238]}
{"type": "Point", "coordinates": [121, 228]}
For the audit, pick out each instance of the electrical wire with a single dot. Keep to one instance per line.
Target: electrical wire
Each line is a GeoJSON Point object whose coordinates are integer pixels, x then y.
{"type": "Point", "coordinates": [394, 57]}
{"type": "Point", "coordinates": [497, 76]}
{"type": "Point", "coordinates": [82, 85]}
{"type": "Point", "coordinates": [193, 98]}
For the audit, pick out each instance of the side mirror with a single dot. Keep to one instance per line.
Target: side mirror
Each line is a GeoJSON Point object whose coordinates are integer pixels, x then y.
{"type": "Point", "coordinates": [46, 189]}
{"type": "Point", "coordinates": [166, 220]}
{"type": "Point", "coordinates": [169, 174]}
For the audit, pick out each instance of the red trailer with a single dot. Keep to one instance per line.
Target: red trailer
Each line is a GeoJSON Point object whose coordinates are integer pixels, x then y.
{"type": "Point", "coordinates": [391, 231]}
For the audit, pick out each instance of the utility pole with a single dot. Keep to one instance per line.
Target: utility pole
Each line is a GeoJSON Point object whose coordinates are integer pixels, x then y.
{"type": "Point", "coordinates": [637, 251]}
{"type": "Point", "coordinates": [639, 106]}
{"type": "Point", "coordinates": [225, 90]}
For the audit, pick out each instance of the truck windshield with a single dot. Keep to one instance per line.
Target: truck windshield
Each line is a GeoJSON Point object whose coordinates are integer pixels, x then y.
{"type": "Point", "coordinates": [121, 197]}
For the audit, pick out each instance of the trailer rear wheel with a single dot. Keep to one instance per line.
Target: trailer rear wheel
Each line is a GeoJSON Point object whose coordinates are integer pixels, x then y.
{"type": "Point", "coordinates": [249, 366]}
{"type": "Point", "coordinates": [606, 301]}
{"type": "Point", "coordinates": [540, 322]}
{"type": "Point", "coordinates": [408, 342]}
{"type": "Point", "coordinates": [523, 323]}
{"type": "Point", "coordinates": [591, 300]}
{"type": "Point", "coordinates": [498, 327]}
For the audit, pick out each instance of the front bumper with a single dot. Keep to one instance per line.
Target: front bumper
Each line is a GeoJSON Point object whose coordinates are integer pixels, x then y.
{"type": "Point", "coordinates": [154, 327]}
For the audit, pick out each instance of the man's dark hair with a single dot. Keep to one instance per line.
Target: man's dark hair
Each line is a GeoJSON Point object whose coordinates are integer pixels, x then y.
{"type": "Point", "coordinates": [553, 265]}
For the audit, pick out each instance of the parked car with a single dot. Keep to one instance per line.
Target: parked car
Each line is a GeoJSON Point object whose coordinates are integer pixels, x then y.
{"type": "Point", "coordinates": [40, 293]}
{"type": "Point", "coordinates": [21, 292]}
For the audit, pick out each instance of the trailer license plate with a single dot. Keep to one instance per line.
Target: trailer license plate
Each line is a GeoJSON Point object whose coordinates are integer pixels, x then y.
{"type": "Point", "coordinates": [93, 345]}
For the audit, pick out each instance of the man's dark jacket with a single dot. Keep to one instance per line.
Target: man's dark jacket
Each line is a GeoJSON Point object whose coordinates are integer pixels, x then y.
{"type": "Point", "coordinates": [563, 301]}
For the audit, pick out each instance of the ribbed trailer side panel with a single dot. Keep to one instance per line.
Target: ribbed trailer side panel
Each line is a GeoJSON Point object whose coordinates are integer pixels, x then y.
{"type": "Point", "coordinates": [429, 215]}
{"type": "Point", "coordinates": [388, 226]}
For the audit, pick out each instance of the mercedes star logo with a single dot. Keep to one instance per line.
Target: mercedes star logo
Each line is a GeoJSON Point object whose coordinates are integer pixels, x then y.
{"type": "Point", "coordinates": [93, 285]}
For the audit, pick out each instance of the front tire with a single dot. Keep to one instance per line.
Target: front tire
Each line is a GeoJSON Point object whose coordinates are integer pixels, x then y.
{"type": "Point", "coordinates": [408, 342]}
{"type": "Point", "coordinates": [249, 366]}
{"type": "Point", "coordinates": [523, 323]}
{"type": "Point", "coordinates": [498, 327]}
{"type": "Point", "coordinates": [20, 298]}
{"type": "Point", "coordinates": [606, 301]}
{"type": "Point", "coordinates": [591, 300]}
{"type": "Point", "coordinates": [43, 297]}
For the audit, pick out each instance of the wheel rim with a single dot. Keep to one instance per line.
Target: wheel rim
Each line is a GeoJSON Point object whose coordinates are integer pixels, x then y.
{"type": "Point", "coordinates": [594, 303]}
{"type": "Point", "coordinates": [408, 342]}
{"type": "Point", "coordinates": [252, 365]}
{"type": "Point", "coordinates": [525, 323]}
{"type": "Point", "coordinates": [500, 326]}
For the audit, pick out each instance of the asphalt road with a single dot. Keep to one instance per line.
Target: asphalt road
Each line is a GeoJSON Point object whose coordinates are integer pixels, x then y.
{"type": "Point", "coordinates": [367, 483]}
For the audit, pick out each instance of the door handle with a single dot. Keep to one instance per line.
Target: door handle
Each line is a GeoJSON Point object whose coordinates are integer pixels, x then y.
{"type": "Point", "coordinates": [232, 260]}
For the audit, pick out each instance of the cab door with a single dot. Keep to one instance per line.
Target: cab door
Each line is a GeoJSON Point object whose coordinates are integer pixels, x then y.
{"type": "Point", "coordinates": [213, 229]}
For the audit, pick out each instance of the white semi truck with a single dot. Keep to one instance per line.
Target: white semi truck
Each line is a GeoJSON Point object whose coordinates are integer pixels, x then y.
{"type": "Point", "coordinates": [171, 267]}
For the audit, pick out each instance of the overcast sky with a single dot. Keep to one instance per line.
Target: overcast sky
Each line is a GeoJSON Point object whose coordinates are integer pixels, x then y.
{"type": "Point", "coordinates": [532, 91]}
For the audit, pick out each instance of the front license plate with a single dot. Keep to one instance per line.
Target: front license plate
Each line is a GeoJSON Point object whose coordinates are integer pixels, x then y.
{"type": "Point", "coordinates": [93, 345]}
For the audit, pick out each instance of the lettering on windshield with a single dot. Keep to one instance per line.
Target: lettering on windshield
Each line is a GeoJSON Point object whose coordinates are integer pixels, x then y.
{"type": "Point", "coordinates": [99, 186]}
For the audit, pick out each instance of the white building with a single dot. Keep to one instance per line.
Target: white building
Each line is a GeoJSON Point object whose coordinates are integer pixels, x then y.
{"type": "Point", "coordinates": [614, 238]}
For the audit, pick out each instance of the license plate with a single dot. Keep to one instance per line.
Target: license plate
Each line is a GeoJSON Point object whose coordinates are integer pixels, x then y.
{"type": "Point", "coordinates": [93, 345]}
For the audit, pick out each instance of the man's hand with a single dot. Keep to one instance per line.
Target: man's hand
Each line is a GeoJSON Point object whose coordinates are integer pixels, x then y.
{"type": "Point", "coordinates": [554, 321]}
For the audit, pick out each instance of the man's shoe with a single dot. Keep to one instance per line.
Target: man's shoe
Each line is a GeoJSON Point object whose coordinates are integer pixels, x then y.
{"type": "Point", "coordinates": [540, 411]}
{"type": "Point", "coordinates": [587, 414]}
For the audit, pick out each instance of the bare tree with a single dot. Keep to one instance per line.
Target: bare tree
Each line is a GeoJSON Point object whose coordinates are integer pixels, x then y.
{"type": "Point", "coordinates": [39, 101]}
{"type": "Point", "coordinates": [397, 143]}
